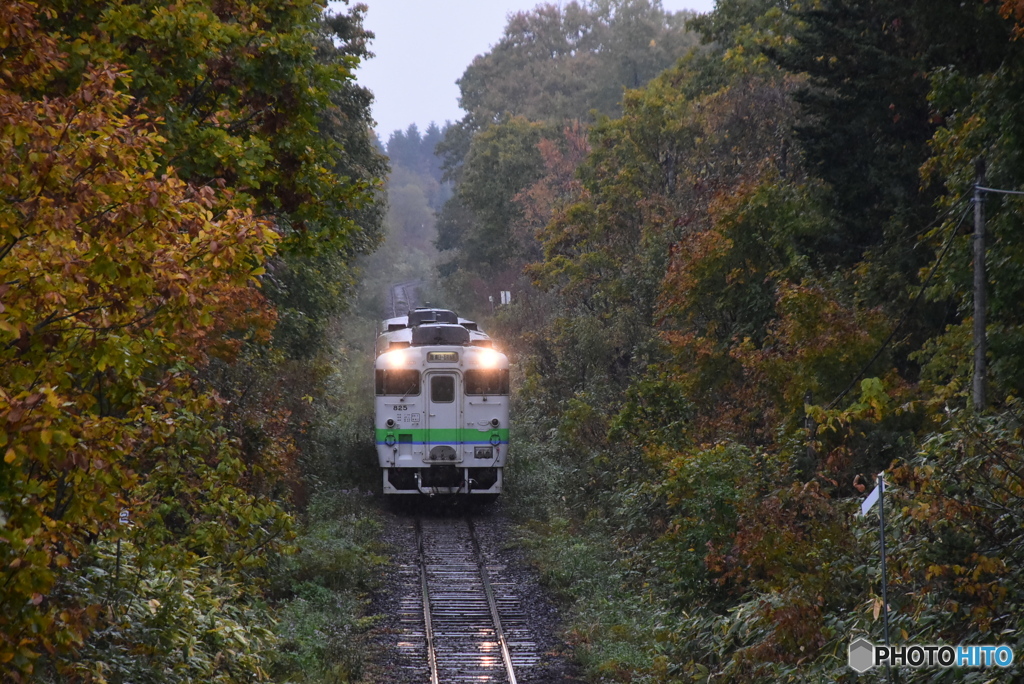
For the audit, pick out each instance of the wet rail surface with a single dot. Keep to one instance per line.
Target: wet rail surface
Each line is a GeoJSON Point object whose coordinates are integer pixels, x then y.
{"type": "Point", "coordinates": [461, 619]}
{"type": "Point", "coordinates": [402, 297]}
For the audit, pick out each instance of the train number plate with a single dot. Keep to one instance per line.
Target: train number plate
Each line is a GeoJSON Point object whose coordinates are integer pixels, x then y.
{"type": "Point", "coordinates": [450, 357]}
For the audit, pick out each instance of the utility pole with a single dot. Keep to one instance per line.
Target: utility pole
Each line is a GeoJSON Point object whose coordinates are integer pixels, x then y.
{"type": "Point", "coordinates": [980, 304]}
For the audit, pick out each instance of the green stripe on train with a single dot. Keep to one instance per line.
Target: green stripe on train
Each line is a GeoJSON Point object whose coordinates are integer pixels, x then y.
{"type": "Point", "coordinates": [420, 436]}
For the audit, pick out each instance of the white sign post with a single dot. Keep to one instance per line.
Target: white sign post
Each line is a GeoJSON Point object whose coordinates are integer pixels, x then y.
{"type": "Point", "coordinates": [877, 496]}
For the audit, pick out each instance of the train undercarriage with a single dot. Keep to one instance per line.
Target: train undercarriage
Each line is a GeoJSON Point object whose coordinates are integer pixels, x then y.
{"type": "Point", "coordinates": [442, 479]}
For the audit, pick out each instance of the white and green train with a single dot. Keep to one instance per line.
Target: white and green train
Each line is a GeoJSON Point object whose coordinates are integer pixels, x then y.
{"type": "Point", "coordinates": [442, 403]}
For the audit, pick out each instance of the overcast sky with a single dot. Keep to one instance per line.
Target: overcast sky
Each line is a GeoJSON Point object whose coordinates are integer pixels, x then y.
{"type": "Point", "coordinates": [423, 46]}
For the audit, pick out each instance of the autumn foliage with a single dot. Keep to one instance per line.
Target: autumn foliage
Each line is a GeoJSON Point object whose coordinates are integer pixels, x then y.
{"type": "Point", "coordinates": [755, 294]}
{"type": "Point", "coordinates": [121, 280]}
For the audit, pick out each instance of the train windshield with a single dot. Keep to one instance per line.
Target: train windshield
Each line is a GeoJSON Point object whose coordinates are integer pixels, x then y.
{"type": "Point", "coordinates": [403, 383]}
{"type": "Point", "coordinates": [440, 335]}
{"type": "Point", "coordinates": [486, 381]}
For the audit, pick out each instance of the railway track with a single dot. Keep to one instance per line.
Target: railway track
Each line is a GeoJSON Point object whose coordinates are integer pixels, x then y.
{"type": "Point", "coordinates": [461, 618]}
{"type": "Point", "coordinates": [403, 297]}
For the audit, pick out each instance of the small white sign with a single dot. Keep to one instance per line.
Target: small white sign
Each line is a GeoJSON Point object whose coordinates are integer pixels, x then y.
{"type": "Point", "coordinates": [870, 501]}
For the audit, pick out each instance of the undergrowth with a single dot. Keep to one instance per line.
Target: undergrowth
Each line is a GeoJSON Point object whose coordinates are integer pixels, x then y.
{"type": "Point", "coordinates": [323, 591]}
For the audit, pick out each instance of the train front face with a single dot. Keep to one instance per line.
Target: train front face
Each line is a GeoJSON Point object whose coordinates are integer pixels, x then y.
{"type": "Point", "coordinates": [442, 419]}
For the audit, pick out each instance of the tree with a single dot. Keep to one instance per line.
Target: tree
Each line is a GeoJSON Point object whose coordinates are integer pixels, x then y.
{"type": "Point", "coordinates": [502, 161]}
{"type": "Point", "coordinates": [726, 346]}
{"type": "Point", "coordinates": [976, 107]}
{"type": "Point", "coordinates": [558, 63]}
{"type": "Point", "coordinates": [409, 213]}
{"type": "Point", "coordinates": [146, 214]}
{"type": "Point", "coordinates": [554, 66]}
{"type": "Point", "coordinates": [117, 278]}
{"type": "Point", "coordinates": [258, 97]}
{"type": "Point", "coordinates": [415, 152]}
{"type": "Point", "coordinates": [865, 119]}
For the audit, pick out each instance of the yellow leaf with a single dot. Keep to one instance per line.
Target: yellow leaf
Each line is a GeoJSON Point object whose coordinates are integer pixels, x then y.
{"type": "Point", "coordinates": [10, 456]}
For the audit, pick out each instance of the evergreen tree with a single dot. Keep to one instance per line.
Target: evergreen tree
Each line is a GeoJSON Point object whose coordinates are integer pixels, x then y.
{"type": "Point", "coordinates": [865, 119]}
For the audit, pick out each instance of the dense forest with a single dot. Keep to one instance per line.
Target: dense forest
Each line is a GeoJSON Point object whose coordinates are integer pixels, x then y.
{"type": "Point", "coordinates": [184, 191]}
{"type": "Point", "coordinates": [741, 255]}
{"type": "Point", "coordinates": [742, 289]}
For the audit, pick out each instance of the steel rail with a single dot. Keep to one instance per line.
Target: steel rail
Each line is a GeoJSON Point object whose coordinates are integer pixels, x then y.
{"type": "Point", "coordinates": [506, 657]}
{"type": "Point", "coordinates": [404, 296]}
{"type": "Point", "coordinates": [428, 629]}
{"type": "Point", "coordinates": [398, 294]}
{"type": "Point", "coordinates": [449, 655]}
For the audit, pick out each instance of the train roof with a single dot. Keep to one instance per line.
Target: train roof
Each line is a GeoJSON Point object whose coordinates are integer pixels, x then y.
{"type": "Point", "coordinates": [400, 331]}
{"type": "Point", "coordinates": [439, 334]}
{"type": "Point", "coordinates": [424, 316]}
{"type": "Point", "coordinates": [478, 338]}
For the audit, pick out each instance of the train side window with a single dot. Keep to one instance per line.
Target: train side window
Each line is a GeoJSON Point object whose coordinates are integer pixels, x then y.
{"type": "Point", "coordinates": [442, 388]}
{"type": "Point", "coordinates": [486, 381]}
{"type": "Point", "coordinates": [403, 383]}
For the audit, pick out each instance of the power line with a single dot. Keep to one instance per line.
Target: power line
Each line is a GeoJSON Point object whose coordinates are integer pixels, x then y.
{"type": "Point", "coordinates": [998, 190]}
{"type": "Point", "coordinates": [909, 309]}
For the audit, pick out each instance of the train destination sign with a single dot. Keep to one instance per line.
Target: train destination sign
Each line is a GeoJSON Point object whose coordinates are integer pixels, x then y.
{"type": "Point", "coordinates": [450, 357]}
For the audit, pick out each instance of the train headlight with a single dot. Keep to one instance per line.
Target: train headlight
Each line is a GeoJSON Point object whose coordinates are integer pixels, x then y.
{"type": "Point", "coordinates": [487, 358]}
{"type": "Point", "coordinates": [396, 359]}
